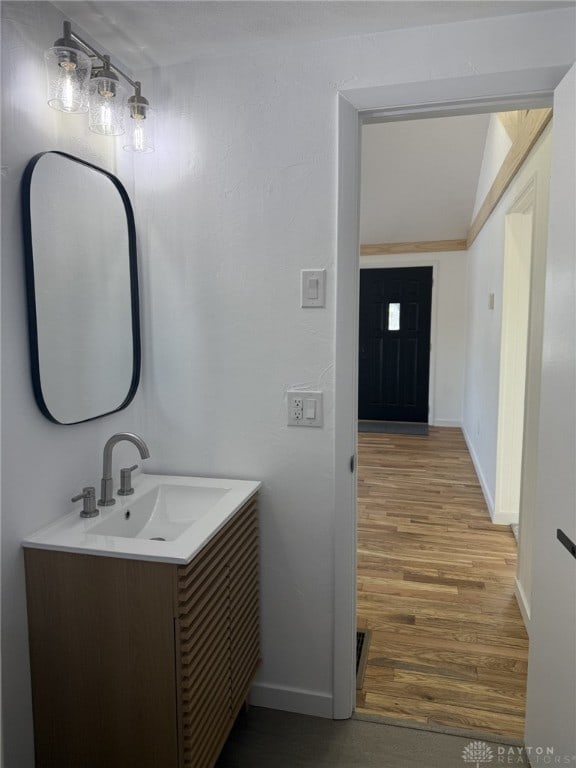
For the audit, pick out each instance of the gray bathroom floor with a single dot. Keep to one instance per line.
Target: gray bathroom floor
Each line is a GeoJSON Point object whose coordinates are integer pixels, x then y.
{"type": "Point", "coordinates": [265, 738]}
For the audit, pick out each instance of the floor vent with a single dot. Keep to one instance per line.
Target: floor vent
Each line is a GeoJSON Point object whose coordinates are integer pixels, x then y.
{"type": "Point", "coordinates": [362, 646]}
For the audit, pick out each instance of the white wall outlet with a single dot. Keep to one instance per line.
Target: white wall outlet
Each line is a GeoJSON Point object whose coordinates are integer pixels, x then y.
{"type": "Point", "coordinates": [305, 409]}
{"type": "Point", "coordinates": [296, 409]}
{"type": "Point", "coordinates": [313, 287]}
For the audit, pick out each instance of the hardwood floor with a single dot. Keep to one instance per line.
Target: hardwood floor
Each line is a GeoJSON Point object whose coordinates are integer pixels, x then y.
{"type": "Point", "coordinates": [436, 587]}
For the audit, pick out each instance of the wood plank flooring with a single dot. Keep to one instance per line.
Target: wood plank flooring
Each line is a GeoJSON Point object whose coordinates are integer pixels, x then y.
{"type": "Point", "coordinates": [436, 587]}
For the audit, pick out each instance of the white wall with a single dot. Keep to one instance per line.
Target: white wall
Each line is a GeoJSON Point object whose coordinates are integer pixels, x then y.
{"type": "Point", "coordinates": [486, 265]}
{"type": "Point", "coordinates": [448, 330]}
{"type": "Point", "coordinates": [419, 178]}
{"type": "Point", "coordinates": [239, 197]}
{"type": "Point", "coordinates": [516, 289]}
{"type": "Point", "coordinates": [495, 150]}
{"type": "Point", "coordinates": [43, 464]}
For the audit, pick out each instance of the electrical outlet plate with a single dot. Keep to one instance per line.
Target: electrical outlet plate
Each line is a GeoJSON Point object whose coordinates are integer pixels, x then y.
{"type": "Point", "coordinates": [305, 408]}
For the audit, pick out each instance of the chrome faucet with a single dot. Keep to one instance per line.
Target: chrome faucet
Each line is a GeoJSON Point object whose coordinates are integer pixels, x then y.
{"type": "Point", "coordinates": [106, 488]}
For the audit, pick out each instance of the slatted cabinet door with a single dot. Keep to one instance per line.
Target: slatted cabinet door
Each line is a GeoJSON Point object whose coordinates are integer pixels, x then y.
{"type": "Point", "coordinates": [204, 664]}
{"type": "Point", "coordinates": [218, 636]}
{"type": "Point", "coordinates": [244, 607]}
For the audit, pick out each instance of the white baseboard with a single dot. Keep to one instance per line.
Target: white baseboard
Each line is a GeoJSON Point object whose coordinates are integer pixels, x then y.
{"type": "Point", "coordinates": [447, 423]}
{"type": "Point", "coordinates": [480, 474]}
{"type": "Point", "coordinates": [298, 700]}
{"type": "Point", "coordinates": [523, 604]}
{"type": "Point", "coordinates": [505, 518]}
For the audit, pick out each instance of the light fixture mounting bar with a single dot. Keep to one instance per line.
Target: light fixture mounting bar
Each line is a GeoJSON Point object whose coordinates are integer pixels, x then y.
{"type": "Point", "coordinates": [93, 52]}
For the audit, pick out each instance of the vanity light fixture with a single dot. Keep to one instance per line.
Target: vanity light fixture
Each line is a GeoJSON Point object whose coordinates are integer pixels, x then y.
{"type": "Point", "coordinates": [80, 79]}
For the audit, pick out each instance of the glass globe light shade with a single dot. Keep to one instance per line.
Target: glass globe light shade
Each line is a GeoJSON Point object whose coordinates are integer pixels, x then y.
{"type": "Point", "coordinates": [106, 104]}
{"type": "Point", "coordinates": [140, 126]}
{"type": "Point", "coordinates": [67, 72]}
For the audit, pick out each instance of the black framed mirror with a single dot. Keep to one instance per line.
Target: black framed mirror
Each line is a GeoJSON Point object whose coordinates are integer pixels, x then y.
{"type": "Point", "coordinates": [82, 288]}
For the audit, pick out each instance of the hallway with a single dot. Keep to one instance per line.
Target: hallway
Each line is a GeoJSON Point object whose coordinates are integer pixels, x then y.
{"type": "Point", "coordinates": [436, 587]}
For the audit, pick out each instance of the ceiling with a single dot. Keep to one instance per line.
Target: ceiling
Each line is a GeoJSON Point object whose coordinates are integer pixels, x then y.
{"type": "Point", "coordinates": [151, 33]}
{"type": "Point", "coordinates": [419, 178]}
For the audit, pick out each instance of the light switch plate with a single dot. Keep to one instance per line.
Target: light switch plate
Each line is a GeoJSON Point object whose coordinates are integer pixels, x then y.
{"type": "Point", "coordinates": [305, 408]}
{"type": "Point", "coordinates": [313, 287]}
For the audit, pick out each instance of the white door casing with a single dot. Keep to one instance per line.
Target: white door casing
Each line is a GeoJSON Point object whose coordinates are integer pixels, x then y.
{"type": "Point", "coordinates": [516, 291]}
{"type": "Point", "coordinates": [346, 408]}
{"type": "Point", "coordinates": [551, 706]}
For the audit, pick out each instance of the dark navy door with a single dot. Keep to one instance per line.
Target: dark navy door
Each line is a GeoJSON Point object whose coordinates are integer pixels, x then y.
{"type": "Point", "coordinates": [395, 311]}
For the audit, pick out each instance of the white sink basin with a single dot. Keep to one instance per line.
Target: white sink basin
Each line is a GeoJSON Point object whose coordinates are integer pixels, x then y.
{"type": "Point", "coordinates": [169, 518]}
{"type": "Point", "coordinates": [163, 513]}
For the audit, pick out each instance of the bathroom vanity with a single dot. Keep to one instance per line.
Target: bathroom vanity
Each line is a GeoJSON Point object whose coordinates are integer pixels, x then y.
{"type": "Point", "coordinates": [143, 650]}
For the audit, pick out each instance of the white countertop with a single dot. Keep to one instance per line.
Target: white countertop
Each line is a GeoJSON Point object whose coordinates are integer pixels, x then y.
{"type": "Point", "coordinates": [72, 533]}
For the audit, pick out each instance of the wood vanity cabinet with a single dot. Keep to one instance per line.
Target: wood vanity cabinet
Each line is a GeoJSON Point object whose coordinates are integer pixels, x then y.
{"type": "Point", "coordinates": [139, 664]}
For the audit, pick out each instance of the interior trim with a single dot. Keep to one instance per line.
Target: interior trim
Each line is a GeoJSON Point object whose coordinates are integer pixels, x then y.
{"type": "Point", "coordinates": [532, 125]}
{"type": "Point", "coordinates": [417, 246]}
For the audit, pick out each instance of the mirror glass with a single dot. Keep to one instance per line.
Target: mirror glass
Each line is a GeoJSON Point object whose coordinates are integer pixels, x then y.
{"type": "Point", "coordinates": [81, 272]}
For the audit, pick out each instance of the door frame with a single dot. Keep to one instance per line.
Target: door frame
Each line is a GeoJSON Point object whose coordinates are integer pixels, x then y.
{"type": "Point", "coordinates": [413, 260]}
{"type": "Point", "coordinates": [514, 358]}
{"type": "Point", "coordinates": [502, 91]}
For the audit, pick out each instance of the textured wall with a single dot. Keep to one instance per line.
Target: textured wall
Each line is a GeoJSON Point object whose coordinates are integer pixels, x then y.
{"type": "Point", "coordinates": [239, 197]}
{"type": "Point", "coordinates": [43, 464]}
{"type": "Point", "coordinates": [495, 150]}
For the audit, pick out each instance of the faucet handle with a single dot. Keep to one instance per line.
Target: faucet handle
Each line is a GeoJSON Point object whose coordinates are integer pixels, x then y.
{"type": "Point", "coordinates": [126, 481]}
{"type": "Point", "coordinates": [89, 508]}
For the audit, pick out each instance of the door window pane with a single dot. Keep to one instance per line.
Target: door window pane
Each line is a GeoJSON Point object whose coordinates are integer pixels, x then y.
{"type": "Point", "coordinates": [393, 317]}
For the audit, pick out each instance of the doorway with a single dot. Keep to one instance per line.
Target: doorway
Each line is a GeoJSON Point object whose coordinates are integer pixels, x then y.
{"type": "Point", "coordinates": [436, 578]}
{"type": "Point", "coordinates": [394, 364]}
{"type": "Point", "coordinates": [486, 92]}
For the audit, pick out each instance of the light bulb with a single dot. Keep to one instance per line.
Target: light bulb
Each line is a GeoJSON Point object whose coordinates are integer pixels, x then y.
{"type": "Point", "coordinates": [106, 88]}
{"type": "Point", "coordinates": [69, 96]}
{"type": "Point", "coordinates": [138, 138]}
{"type": "Point", "coordinates": [105, 117]}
